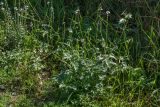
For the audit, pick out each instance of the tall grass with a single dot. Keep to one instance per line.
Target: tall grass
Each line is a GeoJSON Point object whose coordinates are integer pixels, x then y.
{"type": "Point", "coordinates": [79, 53]}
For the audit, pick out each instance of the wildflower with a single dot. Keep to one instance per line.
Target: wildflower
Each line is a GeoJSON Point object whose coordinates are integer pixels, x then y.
{"type": "Point", "coordinates": [107, 12]}
{"type": "Point", "coordinates": [2, 9]}
{"type": "Point", "coordinates": [52, 8]}
{"type": "Point", "coordinates": [100, 8]}
{"type": "Point", "coordinates": [13, 93]}
{"type": "Point", "coordinates": [19, 14]}
{"type": "Point", "coordinates": [128, 16]}
{"type": "Point", "coordinates": [77, 11]}
{"type": "Point", "coordinates": [1, 3]}
{"type": "Point", "coordinates": [81, 77]}
{"type": "Point", "coordinates": [48, 3]}
{"type": "Point", "coordinates": [82, 40]}
{"type": "Point", "coordinates": [122, 21]}
{"type": "Point", "coordinates": [21, 9]}
{"type": "Point", "coordinates": [62, 85]}
{"type": "Point", "coordinates": [70, 30]}
{"type": "Point", "coordinates": [89, 29]}
{"type": "Point", "coordinates": [25, 7]}
{"type": "Point", "coordinates": [15, 8]}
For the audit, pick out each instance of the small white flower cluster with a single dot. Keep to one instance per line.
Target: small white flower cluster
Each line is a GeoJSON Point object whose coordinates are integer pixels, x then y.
{"type": "Point", "coordinates": [70, 30]}
{"type": "Point", "coordinates": [126, 17]}
{"type": "Point", "coordinates": [1, 3]}
{"type": "Point", "coordinates": [24, 9]}
{"type": "Point", "coordinates": [2, 6]}
{"type": "Point", "coordinates": [101, 9]}
{"type": "Point", "coordinates": [48, 3]}
{"type": "Point", "coordinates": [77, 11]}
{"type": "Point", "coordinates": [15, 8]}
{"type": "Point", "coordinates": [122, 20]}
{"type": "Point", "coordinates": [108, 12]}
{"type": "Point", "coordinates": [89, 29]}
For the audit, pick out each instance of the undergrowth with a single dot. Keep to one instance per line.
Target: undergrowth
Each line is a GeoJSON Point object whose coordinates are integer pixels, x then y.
{"type": "Point", "coordinates": [79, 53]}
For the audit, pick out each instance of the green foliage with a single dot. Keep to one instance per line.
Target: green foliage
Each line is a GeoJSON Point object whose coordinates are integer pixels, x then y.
{"type": "Point", "coordinates": [79, 53]}
{"type": "Point", "coordinates": [84, 80]}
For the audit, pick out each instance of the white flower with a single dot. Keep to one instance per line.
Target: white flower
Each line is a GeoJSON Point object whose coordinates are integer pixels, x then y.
{"type": "Point", "coordinates": [62, 85]}
{"type": "Point", "coordinates": [52, 8]}
{"type": "Point", "coordinates": [70, 30]}
{"type": "Point", "coordinates": [15, 8]}
{"type": "Point", "coordinates": [1, 3]}
{"type": "Point", "coordinates": [48, 3]}
{"type": "Point", "coordinates": [21, 9]}
{"type": "Point", "coordinates": [77, 11]}
{"type": "Point", "coordinates": [100, 8]}
{"type": "Point", "coordinates": [81, 77]}
{"type": "Point", "coordinates": [108, 12]}
{"type": "Point", "coordinates": [128, 16]}
{"type": "Point", "coordinates": [26, 7]}
{"type": "Point", "coordinates": [2, 9]}
{"type": "Point", "coordinates": [89, 29]}
{"type": "Point", "coordinates": [121, 21]}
